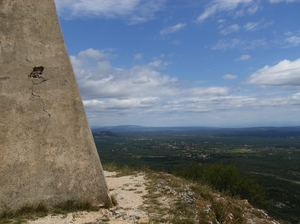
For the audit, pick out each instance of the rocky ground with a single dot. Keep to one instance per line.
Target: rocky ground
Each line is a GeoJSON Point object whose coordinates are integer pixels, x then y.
{"type": "Point", "coordinates": [162, 198]}
{"type": "Point", "coordinates": [129, 192]}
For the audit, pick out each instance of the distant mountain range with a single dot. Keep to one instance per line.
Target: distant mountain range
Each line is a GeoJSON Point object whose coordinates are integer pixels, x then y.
{"type": "Point", "coordinates": [263, 132]}
{"type": "Point", "coordinates": [137, 128]}
{"type": "Point", "coordinates": [105, 134]}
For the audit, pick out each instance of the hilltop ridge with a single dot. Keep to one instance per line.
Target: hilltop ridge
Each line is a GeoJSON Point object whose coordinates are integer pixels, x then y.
{"type": "Point", "coordinates": [156, 197]}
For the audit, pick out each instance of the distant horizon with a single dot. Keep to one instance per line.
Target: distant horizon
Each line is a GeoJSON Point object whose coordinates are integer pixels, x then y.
{"type": "Point", "coordinates": [197, 126]}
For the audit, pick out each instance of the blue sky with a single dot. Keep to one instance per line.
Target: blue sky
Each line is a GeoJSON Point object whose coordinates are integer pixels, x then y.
{"type": "Point", "coordinates": [229, 63]}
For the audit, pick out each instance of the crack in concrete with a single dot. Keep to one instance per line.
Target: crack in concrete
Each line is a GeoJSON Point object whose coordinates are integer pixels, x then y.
{"type": "Point", "coordinates": [33, 95]}
{"type": "Point", "coordinates": [49, 115]}
{"type": "Point", "coordinates": [32, 92]}
{"type": "Point", "coordinates": [4, 78]}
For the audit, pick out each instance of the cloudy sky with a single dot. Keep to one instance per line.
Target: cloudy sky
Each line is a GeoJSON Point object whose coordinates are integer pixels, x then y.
{"type": "Point", "coordinates": [229, 63]}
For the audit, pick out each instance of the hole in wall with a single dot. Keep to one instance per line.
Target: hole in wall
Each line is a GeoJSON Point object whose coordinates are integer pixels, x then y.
{"type": "Point", "coordinates": [37, 72]}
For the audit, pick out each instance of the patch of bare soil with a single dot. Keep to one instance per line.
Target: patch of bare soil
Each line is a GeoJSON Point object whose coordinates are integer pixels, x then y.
{"type": "Point", "coordinates": [127, 190]}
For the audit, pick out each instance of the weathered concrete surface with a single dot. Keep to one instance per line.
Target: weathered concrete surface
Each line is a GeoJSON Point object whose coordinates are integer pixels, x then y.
{"type": "Point", "coordinates": [47, 152]}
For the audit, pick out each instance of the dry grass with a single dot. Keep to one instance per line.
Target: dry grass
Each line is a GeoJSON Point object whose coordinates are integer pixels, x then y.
{"type": "Point", "coordinates": [27, 212]}
{"type": "Point", "coordinates": [121, 170]}
{"type": "Point", "coordinates": [175, 200]}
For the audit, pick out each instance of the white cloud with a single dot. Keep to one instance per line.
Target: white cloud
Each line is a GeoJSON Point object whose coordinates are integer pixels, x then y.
{"type": "Point", "coordinates": [252, 26]}
{"type": "Point", "coordinates": [176, 42]}
{"type": "Point", "coordinates": [217, 6]}
{"type": "Point", "coordinates": [141, 80]}
{"type": "Point", "coordinates": [221, 21]}
{"type": "Point", "coordinates": [285, 73]}
{"type": "Point", "coordinates": [293, 40]}
{"type": "Point", "coordinates": [237, 8]}
{"type": "Point", "coordinates": [203, 92]}
{"type": "Point", "coordinates": [253, 9]}
{"type": "Point", "coordinates": [98, 79]}
{"type": "Point", "coordinates": [141, 89]}
{"type": "Point", "coordinates": [143, 95]}
{"type": "Point", "coordinates": [158, 64]}
{"type": "Point", "coordinates": [243, 57]}
{"type": "Point", "coordinates": [172, 29]}
{"type": "Point", "coordinates": [87, 62]}
{"type": "Point", "coordinates": [132, 11]}
{"type": "Point", "coordinates": [229, 77]}
{"type": "Point", "coordinates": [239, 13]}
{"type": "Point", "coordinates": [96, 55]}
{"type": "Point", "coordinates": [138, 56]}
{"type": "Point", "coordinates": [101, 80]}
{"type": "Point", "coordinates": [225, 44]}
{"type": "Point", "coordinates": [230, 29]}
{"type": "Point", "coordinates": [287, 1]}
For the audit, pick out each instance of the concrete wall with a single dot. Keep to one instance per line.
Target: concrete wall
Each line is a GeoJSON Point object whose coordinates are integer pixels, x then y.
{"type": "Point", "coordinates": [47, 151]}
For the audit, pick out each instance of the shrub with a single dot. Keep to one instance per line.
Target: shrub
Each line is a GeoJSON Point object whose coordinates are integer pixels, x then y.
{"type": "Point", "coordinates": [227, 179]}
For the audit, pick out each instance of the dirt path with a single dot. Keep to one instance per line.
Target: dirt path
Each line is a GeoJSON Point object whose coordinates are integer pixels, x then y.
{"type": "Point", "coordinates": [129, 192]}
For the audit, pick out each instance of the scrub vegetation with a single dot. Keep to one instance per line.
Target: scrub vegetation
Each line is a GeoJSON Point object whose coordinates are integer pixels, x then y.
{"type": "Point", "coordinates": [260, 164]}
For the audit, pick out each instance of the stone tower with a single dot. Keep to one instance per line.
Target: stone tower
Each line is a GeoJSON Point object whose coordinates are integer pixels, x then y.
{"type": "Point", "coordinates": [47, 151]}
